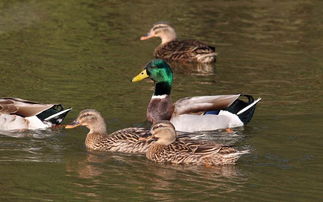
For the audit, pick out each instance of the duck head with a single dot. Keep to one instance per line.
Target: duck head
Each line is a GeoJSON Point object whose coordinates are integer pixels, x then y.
{"type": "Point", "coordinates": [157, 70]}
{"type": "Point", "coordinates": [162, 30]}
{"type": "Point", "coordinates": [164, 132]}
{"type": "Point", "coordinates": [91, 119]}
{"type": "Point", "coordinates": [160, 72]}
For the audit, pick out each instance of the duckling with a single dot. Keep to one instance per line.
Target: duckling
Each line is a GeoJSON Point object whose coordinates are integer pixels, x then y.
{"type": "Point", "coordinates": [166, 149]}
{"type": "Point", "coordinates": [172, 49]}
{"type": "Point", "coordinates": [191, 114]}
{"type": "Point", "coordinates": [126, 140]}
{"type": "Point", "coordinates": [18, 114]}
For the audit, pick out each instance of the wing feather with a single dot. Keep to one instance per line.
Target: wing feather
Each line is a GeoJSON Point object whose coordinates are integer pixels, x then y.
{"type": "Point", "coordinates": [203, 103]}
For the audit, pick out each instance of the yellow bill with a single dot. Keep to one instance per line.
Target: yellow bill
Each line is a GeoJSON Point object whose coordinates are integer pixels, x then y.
{"type": "Point", "coordinates": [142, 75]}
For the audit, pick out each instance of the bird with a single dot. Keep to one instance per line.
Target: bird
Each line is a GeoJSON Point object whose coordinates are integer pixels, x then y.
{"type": "Point", "coordinates": [17, 114]}
{"type": "Point", "coordinates": [191, 114]}
{"type": "Point", "coordinates": [125, 140]}
{"type": "Point", "coordinates": [167, 149]}
{"type": "Point", "coordinates": [172, 49]}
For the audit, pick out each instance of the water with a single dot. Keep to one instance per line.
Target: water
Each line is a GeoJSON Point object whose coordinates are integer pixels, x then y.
{"type": "Point", "coordinates": [84, 53]}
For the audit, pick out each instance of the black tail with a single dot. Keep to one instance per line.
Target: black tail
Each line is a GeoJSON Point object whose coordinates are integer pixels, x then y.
{"type": "Point", "coordinates": [55, 114]}
{"type": "Point", "coordinates": [240, 108]}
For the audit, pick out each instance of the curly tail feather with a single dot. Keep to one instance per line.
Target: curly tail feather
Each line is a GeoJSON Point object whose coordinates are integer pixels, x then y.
{"type": "Point", "coordinates": [244, 110]}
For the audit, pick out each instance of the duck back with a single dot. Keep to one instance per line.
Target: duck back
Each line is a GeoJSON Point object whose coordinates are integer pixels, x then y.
{"type": "Point", "coordinates": [186, 51]}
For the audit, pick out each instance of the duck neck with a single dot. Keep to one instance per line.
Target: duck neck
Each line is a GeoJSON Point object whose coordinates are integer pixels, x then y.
{"type": "Point", "coordinates": [162, 88]}
{"type": "Point", "coordinates": [168, 35]}
{"type": "Point", "coordinates": [167, 38]}
{"type": "Point", "coordinates": [98, 128]}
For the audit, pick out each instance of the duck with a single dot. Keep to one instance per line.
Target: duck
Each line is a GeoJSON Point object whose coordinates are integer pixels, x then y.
{"type": "Point", "coordinates": [172, 49]}
{"type": "Point", "coordinates": [125, 140]}
{"type": "Point", "coordinates": [17, 114]}
{"type": "Point", "coordinates": [192, 114]}
{"type": "Point", "coordinates": [167, 149]}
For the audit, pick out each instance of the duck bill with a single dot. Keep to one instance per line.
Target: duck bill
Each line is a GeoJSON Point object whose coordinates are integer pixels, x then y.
{"type": "Point", "coordinates": [141, 76]}
{"type": "Point", "coordinates": [74, 124]}
{"type": "Point", "coordinates": [147, 36]}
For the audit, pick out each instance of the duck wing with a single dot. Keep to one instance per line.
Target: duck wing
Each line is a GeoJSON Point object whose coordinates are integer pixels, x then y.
{"type": "Point", "coordinates": [191, 152]}
{"type": "Point", "coordinates": [53, 113]}
{"type": "Point", "coordinates": [185, 50]}
{"type": "Point", "coordinates": [202, 104]}
{"type": "Point", "coordinates": [24, 108]}
{"type": "Point", "coordinates": [128, 140]}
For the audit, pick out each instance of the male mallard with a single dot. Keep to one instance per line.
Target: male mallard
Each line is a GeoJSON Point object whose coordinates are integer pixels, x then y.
{"type": "Point", "coordinates": [172, 49]}
{"type": "Point", "coordinates": [169, 150]}
{"type": "Point", "coordinates": [125, 140]}
{"type": "Point", "coordinates": [19, 114]}
{"type": "Point", "coordinates": [199, 113]}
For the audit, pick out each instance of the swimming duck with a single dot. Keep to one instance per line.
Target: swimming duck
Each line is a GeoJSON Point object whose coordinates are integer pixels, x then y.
{"type": "Point", "coordinates": [172, 49]}
{"type": "Point", "coordinates": [166, 149]}
{"type": "Point", "coordinates": [125, 140]}
{"type": "Point", "coordinates": [191, 114]}
{"type": "Point", "coordinates": [18, 114]}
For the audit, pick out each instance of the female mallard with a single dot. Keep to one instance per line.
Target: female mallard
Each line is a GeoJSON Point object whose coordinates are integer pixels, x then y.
{"type": "Point", "coordinates": [172, 49]}
{"type": "Point", "coordinates": [126, 140]}
{"type": "Point", "coordinates": [195, 113]}
{"type": "Point", "coordinates": [169, 150]}
{"type": "Point", "coordinates": [19, 114]}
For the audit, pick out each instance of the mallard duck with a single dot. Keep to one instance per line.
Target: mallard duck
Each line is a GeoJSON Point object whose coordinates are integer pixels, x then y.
{"type": "Point", "coordinates": [172, 49]}
{"type": "Point", "coordinates": [166, 149]}
{"type": "Point", "coordinates": [126, 140]}
{"type": "Point", "coordinates": [19, 114]}
{"type": "Point", "coordinates": [191, 114]}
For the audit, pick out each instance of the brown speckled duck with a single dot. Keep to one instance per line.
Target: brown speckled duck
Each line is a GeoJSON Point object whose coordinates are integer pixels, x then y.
{"type": "Point", "coordinates": [172, 49]}
{"type": "Point", "coordinates": [168, 149]}
{"type": "Point", "coordinates": [126, 140]}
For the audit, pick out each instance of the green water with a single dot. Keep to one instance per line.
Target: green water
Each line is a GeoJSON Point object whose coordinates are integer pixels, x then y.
{"type": "Point", "coordinates": [84, 53]}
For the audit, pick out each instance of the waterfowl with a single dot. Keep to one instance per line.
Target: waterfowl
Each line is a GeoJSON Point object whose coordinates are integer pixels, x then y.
{"type": "Point", "coordinates": [19, 114]}
{"type": "Point", "coordinates": [126, 140]}
{"type": "Point", "coordinates": [172, 49]}
{"type": "Point", "coordinates": [191, 114]}
{"type": "Point", "coordinates": [168, 149]}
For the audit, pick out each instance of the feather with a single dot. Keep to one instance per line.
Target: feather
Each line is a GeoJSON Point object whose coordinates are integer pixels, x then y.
{"type": "Point", "coordinates": [186, 51]}
{"type": "Point", "coordinates": [18, 114]}
{"type": "Point", "coordinates": [203, 103]}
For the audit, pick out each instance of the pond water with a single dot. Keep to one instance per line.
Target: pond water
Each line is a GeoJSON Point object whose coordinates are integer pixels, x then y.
{"type": "Point", "coordinates": [83, 53]}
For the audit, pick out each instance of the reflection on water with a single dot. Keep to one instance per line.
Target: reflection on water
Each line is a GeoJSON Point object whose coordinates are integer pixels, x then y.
{"type": "Point", "coordinates": [193, 69]}
{"type": "Point", "coordinates": [31, 146]}
{"type": "Point", "coordinates": [155, 181]}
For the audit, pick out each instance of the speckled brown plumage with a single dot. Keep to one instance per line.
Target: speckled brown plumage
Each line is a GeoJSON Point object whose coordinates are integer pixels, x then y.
{"type": "Point", "coordinates": [169, 149]}
{"type": "Point", "coordinates": [172, 49]}
{"type": "Point", "coordinates": [125, 140]}
{"type": "Point", "coordinates": [186, 51]}
{"type": "Point", "coordinates": [192, 152]}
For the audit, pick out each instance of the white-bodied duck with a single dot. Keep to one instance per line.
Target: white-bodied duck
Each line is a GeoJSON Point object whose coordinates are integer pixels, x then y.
{"type": "Point", "coordinates": [191, 114]}
{"type": "Point", "coordinates": [19, 114]}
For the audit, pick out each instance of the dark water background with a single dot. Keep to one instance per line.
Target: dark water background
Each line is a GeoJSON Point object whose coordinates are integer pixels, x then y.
{"type": "Point", "coordinates": [83, 53]}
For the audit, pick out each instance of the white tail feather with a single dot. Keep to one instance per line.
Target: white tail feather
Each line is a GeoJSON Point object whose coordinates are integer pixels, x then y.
{"type": "Point", "coordinates": [57, 114]}
{"type": "Point", "coordinates": [249, 106]}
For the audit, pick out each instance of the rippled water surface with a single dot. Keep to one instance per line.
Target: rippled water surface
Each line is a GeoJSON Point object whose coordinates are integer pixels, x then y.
{"type": "Point", "coordinates": [83, 53]}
